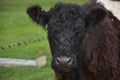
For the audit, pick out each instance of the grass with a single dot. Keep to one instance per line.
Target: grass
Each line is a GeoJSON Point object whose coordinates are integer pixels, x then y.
{"type": "Point", "coordinates": [15, 26]}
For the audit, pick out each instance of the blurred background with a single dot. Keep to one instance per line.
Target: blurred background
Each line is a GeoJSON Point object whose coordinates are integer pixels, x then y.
{"type": "Point", "coordinates": [17, 32]}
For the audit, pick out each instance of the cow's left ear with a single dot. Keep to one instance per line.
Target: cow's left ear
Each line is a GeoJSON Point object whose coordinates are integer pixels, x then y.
{"type": "Point", "coordinates": [95, 16]}
{"type": "Point", "coordinates": [38, 15]}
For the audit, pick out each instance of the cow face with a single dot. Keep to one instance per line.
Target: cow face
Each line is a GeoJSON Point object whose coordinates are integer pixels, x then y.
{"type": "Point", "coordinates": [67, 25]}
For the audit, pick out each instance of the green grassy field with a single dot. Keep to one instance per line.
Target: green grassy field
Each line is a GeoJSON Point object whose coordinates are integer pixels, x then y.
{"type": "Point", "coordinates": [15, 26]}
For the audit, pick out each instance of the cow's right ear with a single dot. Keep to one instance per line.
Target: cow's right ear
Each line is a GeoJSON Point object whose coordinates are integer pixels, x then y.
{"type": "Point", "coordinates": [38, 15]}
{"type": "Point", "coordinates": [95, 16]}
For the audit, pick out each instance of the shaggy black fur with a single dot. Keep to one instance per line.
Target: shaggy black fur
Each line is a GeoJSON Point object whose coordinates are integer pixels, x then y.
{"type": "Point", "coordinates": [82, 32]}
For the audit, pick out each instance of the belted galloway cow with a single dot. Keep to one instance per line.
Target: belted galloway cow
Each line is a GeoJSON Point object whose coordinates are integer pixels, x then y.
{"type": "Point", "coordinates": [84, 40]}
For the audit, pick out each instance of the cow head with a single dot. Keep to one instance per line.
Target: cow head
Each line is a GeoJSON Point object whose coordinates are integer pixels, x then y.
{"type": "Point", "coordinates": [67, 25]}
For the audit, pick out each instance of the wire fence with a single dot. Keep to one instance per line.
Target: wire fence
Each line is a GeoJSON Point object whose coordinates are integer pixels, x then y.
{"type": "Point", "coordinates": [11, 45]}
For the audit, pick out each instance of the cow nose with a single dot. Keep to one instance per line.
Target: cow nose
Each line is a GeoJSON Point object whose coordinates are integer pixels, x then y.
{"type": "Point", "coordinates": [64, 60]}
{"type": "Point", "coordinates": [64, 63]}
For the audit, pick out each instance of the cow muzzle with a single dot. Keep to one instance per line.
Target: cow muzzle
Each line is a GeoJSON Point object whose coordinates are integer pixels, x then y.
{"type": "Point", "coordinates": [64, 64]}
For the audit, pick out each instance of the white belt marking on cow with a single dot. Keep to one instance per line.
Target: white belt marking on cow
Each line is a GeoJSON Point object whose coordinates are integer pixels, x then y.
{"type": "Point", "coordinates": [112, 6]}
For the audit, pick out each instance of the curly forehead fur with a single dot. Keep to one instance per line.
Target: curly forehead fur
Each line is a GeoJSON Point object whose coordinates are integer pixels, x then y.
{"type": "Point", "coordinates": [67, 9]}
{"type": "Point", "coordinates": [67, 14]}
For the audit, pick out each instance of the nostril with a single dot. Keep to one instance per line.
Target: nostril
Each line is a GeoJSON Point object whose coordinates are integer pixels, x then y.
{"type": "Point", "coordinates": [58, 60]}
{"type": "Point", "coordinates": [69, 60]}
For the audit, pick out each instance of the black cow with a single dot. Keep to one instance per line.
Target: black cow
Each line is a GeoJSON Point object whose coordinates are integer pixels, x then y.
{"type": "Point", "coordinates": [84, 40]}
